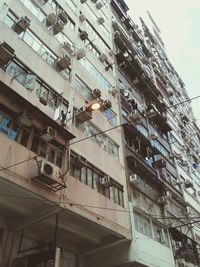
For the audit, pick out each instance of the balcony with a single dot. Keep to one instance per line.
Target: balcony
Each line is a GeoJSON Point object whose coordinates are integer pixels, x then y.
{"type": "Point", "coordinates": [120, 7]}
{"type": "Point", "coordinates": [98, 226]}
{"type": "Point", "coordinates": [138, 165]}
{"type": "Point", "coordinates": [159, 118]}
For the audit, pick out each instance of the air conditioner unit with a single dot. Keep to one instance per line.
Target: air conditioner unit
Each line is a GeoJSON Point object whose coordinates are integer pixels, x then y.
{"type": "Point", "coordinates": [94, 1]}
{"type": "Point", "coordinates": [6, 53]}
{"type": "Point", "coordinates": [58, 26]}
{"type": "Point", "coordinates": [83, 35]}
{"type": "Point", "coordinates": [83, 116]}
{"type": "Point", "coordinates": [63, 16]}
{"type": "Point", "coordinates": [107, 104]}
{"type": "Point", "coordinates": [26, 118]}
{"type": "Point", "coordinates": [96, 93]}
{"type": "Point", "coordinates": [103, 58]}
{"type": "Point", "coordinates": [48, 174]}
{"type": "Point", "coordinates": [63, 62]}
{"type": "Point", "coordinates": [153, 136]}
{"type": "Point", "coordinates": [81, 53]}
{"type": "Point", "coordinates": [101, 20]}
{"type": "Point", "coordinates": [178, 181]}
{"type": "Point", "coordinates": [83, 1]}
{"type": "Point", "coordinates": [173, 155]}
{"type": "Point", "coordinates": [112, 52]}
{"type": "Point", "coordinates": [135, 117]}
{"type": "Point", "coordinates": [188, 210]}
{"type": "Point", "coordinates": [82, 17]}
{"type": "Point", "coordinates": [168, 195]}
{"type": "Point", "coordinates": [51, 19]}
{"type": "Point", "coordinates": [106, 180]}
{"type": "Point", "coordinates": [159, 164]}
{"type": "Point", "coordinates": [115, 25]}
{"type": "Point", "coordinates": [178, 245]}
{"type": "Point", "coordinates": [134, 179]}
{"type": "Point", "coordinates": [22, 24]}
{"type": "Point", "coordinates": [68, 47]}
{"type": "Point", "coordinates": [188, 183]}
{"type": "Point", "coordinates": [48, 134]}
{"type": "Point", "coordinates": [99, 5]}
{"type": "Point", "coordinates": [162, 200]}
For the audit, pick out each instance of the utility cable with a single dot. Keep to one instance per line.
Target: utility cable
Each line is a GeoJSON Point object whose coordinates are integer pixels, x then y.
{"type": "Point", "coordinates": [65, 146]}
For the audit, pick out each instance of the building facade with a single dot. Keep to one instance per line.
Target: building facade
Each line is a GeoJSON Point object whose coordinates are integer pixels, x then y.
{"type": "Point", "coordinates": [117, 186]}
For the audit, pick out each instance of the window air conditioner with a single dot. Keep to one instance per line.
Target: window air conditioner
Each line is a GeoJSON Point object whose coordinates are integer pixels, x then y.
{"type": "Point", "coordinates": [63, 16]}
{"type": "Point", "coordinates": [135, 117]}
{"type": "Point", "coordinates": [178, 245]}
{"type": "Point", "coordinates": [115, 25]}
{"type": "Point", "coordinates": [81, 53]}
{"type": "Point", "coordinates": [48, 134]}
{"type": "Point", "coordinates": [94, 1]}
{"type": "Point", "coordinates": [50, 19]}
{"type": "Point", "coordinates": [106, 180]}
{"type": "Point", "coordinates": [58, 26]}
{"type": "Point", "coordinates": [188, 183]}
{"type": "Point", "coordinates": [134, 179]}
{"type": "Point", "coordinates": [68, 47]}
{"type": "Point", "coordinates": [107, 104]}
{"type": "Point", "coordinates": [22, 24]}
{"type": "Point", "coordinates": [188, 210]}
{"type": "Point", "coordinates": [168, 195]}
{"type": "Point", "coordinates": [82, 17]}
{"type": "Point", "coordinates": [162, 200]}
{"type": "Point", "coordinates": [112, 52]}
{"type": "Point", "coordinates": [103, 58]}
{"type": "Point", "coordinates": [83, 116]}
{"type": "Point", "coordinates": [153, 136]}
{"type": "Point", "coordinates": [173, 155]}
{"type": "Point", "coordinates": [26, 118]}
{"type": "Point", "coordinates": [101, 20]}
{"type": "Point", "coordinates": [48, 174]}
{"type": "Point", "coordinates": [159, 164]}
{"type": "Point", "coordinates": [99, 5]}
{"type": "Point", "coordinates": [63, 62]}
{"type": "Point", "coordinates": [6, 53]}
{"type": "Point", "coordinates": [96, 93]}
{"type": "Point", "coordinates": [178, 182]}
{"type": "Point", "coordinates": [83, 35]}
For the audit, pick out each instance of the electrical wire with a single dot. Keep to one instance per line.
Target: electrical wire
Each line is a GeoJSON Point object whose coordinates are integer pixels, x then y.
{"type": "Point", "coordinates": [155, 216]}
{"type": "Point", "coordinates": [65, 146]}
{"type": "Point", "coordinates": [182, 102]}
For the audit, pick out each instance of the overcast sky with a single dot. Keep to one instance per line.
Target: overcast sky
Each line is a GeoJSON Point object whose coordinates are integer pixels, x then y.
{"type": "Point", "coordinates": [179, 22]}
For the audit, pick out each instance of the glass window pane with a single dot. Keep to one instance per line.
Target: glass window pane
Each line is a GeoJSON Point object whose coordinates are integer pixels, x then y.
{"type": "Point", "coordinates": [14, 131]}
{"type": "Point", "coordinates": [30, 81]}
{"type": "Point", "coordinates": [89, 177]}
{"type": "Point", "coordinates": [35, 144]}
{"type": "Point", "coordinates": [24, 137]}
{"type": "Point", "coordinates": [83, 175]}
{"type": "Point", "coordinates": [5, 125]}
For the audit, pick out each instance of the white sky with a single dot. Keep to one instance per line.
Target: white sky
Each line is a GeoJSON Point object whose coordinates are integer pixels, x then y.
{"type": "Point", "coordinates": [179, 22]}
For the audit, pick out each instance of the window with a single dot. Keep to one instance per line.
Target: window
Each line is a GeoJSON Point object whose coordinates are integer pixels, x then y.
{"type": "Point", "coordinates": [146, 226]}
{"type": "Point", "coordinates": [8, 127]}
{"type": "Point", "coordinates": [92, 177]}
{"type": "Point", "coordinates": [96, 74]}
{"type": "Point", "coordinates": [82, 88]}
{"type": "Point", "coordinates": [111, 116]}
{"type": "Point", "coordinates": [101, 139]}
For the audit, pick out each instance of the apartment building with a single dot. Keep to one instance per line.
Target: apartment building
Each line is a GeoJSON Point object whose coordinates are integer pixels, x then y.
{"type": "Point", "coordinates": [99, 159]}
